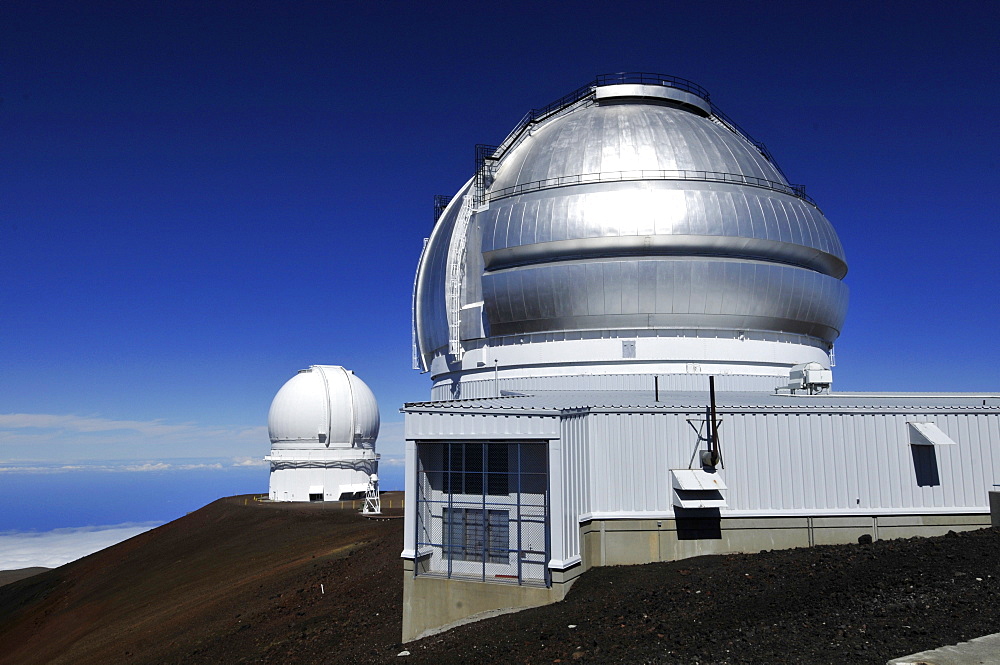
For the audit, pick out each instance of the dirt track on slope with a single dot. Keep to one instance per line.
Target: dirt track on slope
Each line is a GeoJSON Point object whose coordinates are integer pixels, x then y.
{"type": "Point", "coordinates": [235, 583]}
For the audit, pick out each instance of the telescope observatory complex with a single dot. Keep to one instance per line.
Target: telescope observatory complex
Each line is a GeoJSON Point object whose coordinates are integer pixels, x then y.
{"type": "Point", "coordinates": [323, 424]}
{"type": "Point", "coordinates": [628, 316]}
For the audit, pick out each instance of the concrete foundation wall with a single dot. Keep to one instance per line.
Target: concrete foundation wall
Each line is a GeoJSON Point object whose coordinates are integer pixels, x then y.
{"type": "Point", "coordinates": [629, 542]}
{"type": "Point", "coordinates": [432, 604]}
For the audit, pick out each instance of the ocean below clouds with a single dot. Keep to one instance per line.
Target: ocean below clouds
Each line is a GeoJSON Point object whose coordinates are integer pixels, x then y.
{"type": "Point", "coordinates": [50, 549]}
{"type": "Point", "coordinates": [59, 513]}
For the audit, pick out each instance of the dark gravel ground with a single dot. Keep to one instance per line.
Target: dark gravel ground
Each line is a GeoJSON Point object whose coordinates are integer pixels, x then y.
{"type": "Point", "coordinates": [830, 604]}
{"type": "Point", "coordinates": [240, 582]}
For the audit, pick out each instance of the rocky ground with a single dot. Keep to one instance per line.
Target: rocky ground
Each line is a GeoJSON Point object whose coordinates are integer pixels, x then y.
{"type": "Point", "coordinates": [831, 604]}
{"type": "Point", "coordinates": [240, 582]}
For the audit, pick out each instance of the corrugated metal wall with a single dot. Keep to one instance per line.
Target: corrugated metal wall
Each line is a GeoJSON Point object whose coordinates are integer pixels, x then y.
{"type": "Point", "coordinates": [575, 488]}
{"type": "Point", "coordinates": [828, 461]}
{"type": "Point", "coordinates": [780, 463]}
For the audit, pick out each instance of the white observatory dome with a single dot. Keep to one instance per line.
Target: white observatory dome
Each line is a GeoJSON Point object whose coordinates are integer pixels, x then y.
{"type": "Point", "coordinates": [323, 407]}
{"type": "Point", "coordinates": [629, 229]}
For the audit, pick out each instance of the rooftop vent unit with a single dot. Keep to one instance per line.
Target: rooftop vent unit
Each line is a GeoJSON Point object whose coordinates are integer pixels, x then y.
{"type": "Point", "coordinates": [811, 377]}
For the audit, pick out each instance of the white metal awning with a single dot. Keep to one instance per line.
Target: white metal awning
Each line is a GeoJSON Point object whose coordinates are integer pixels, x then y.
{"type": "Point", "coordinates": [696, 488]}
{"type": "Point", "coordinates": [928, 434]}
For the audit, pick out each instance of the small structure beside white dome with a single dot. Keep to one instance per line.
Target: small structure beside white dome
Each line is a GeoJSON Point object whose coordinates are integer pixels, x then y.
{"type": "Point", "coordinates": [323, 424]}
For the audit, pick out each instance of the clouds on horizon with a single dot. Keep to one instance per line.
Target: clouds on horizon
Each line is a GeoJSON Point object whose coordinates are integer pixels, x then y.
{"type": "Point", "coordinates": [122, 467]}
{"type": "Point", "coordinates": [54, 443]}
{"type": "Point", "coordinates": [30, 427]}
{"type": "Point", "coordinates": [46, 443]}
{"type": "Point", "coordinates": [49, 437]}
{"type": "Point", "coordinates": [51, 549]}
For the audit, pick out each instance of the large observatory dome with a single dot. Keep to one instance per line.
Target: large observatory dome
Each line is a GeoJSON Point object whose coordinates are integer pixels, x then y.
{"type": "Point", "coordinates": [628, 229]}
{"type": "Point", "coordinates": [323, 407]}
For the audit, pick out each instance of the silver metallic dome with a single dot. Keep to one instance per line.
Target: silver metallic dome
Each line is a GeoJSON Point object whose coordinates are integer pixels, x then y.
{"type": "Point", "coordinates": [631, 208]}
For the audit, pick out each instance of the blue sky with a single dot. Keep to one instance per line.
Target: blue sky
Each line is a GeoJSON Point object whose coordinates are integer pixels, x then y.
{"type": "Point", "coordinates": [198, 199]}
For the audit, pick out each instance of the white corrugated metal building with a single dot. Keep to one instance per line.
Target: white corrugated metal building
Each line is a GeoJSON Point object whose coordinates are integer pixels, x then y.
{"type": "Point", "coordinates": [797, 470]}
{"type": "Point", "coordinates": [620, 247]}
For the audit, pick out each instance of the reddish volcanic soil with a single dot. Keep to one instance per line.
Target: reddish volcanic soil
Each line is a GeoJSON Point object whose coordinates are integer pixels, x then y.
{"type": "Point", "coordinates": [239, 582]}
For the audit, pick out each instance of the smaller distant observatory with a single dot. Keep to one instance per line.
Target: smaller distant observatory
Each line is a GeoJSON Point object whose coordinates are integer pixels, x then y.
{"type": "Point", "coordinates": [323, 424]}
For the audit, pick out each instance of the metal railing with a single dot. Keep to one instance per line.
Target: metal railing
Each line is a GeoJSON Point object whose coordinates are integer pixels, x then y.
{"type": "Point", "coordinates": [729, 124]}
{"type": "Point", "coordinates": [643, 78]}
{"type": "Point", "coordinates": [797, 191]}
{"type": "Point", "coordinates": [441, 202]}
{"type": "Point", "coordinates": [353, 504]}
{"type": "Point", "coordinates": [649, 78]}
{"type": "Point", "coordinates": [486, 163]}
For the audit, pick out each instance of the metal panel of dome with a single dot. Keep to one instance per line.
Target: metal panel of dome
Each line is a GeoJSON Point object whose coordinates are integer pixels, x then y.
{"type": "Point", "coordinates": [659, 208]}
{"type": "Point", "coordinates": [763, 297]}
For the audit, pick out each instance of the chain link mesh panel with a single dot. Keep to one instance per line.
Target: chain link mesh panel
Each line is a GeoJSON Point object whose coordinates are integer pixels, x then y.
{"type": "Point", "coordinates": [482, 510]}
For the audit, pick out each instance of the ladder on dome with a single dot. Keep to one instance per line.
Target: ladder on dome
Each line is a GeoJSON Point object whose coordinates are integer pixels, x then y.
{"type": "Point", "coordinates": [456, 272]}
{"type": "Point", "coordinates": [418, 361]}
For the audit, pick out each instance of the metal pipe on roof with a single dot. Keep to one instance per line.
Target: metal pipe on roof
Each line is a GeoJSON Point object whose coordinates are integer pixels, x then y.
{"type": "Point", "coordinates": [713, 426]}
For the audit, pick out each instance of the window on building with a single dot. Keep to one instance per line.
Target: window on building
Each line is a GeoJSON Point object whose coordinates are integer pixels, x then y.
{"type": "Point", "coordinates": [474, 534]}
{"type": "Point", "coordinates": [482, 510]}
{"type": "Point", "coordinates": [471, 467]}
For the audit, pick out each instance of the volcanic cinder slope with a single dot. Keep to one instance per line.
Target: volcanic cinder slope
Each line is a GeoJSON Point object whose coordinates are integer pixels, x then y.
{"type": "Point", "coordinates": [239, 581]}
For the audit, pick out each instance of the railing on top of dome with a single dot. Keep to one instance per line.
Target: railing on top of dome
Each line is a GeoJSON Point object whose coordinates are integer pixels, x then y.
{"type": "Point", "coordinates": [798, 191]}
{"type": "Point", "coordinates": [739, 131]}
{"type": "Point", "coordinates": [441, 202]}
{"type": "Point", "coordinates": [645, 78]}
{"type": "Point", "coordinates": [649, 78]}
{"type": "Point", "coordinates": [642, 78]}
{"type": "Point", "coordinates": [486, 165]}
